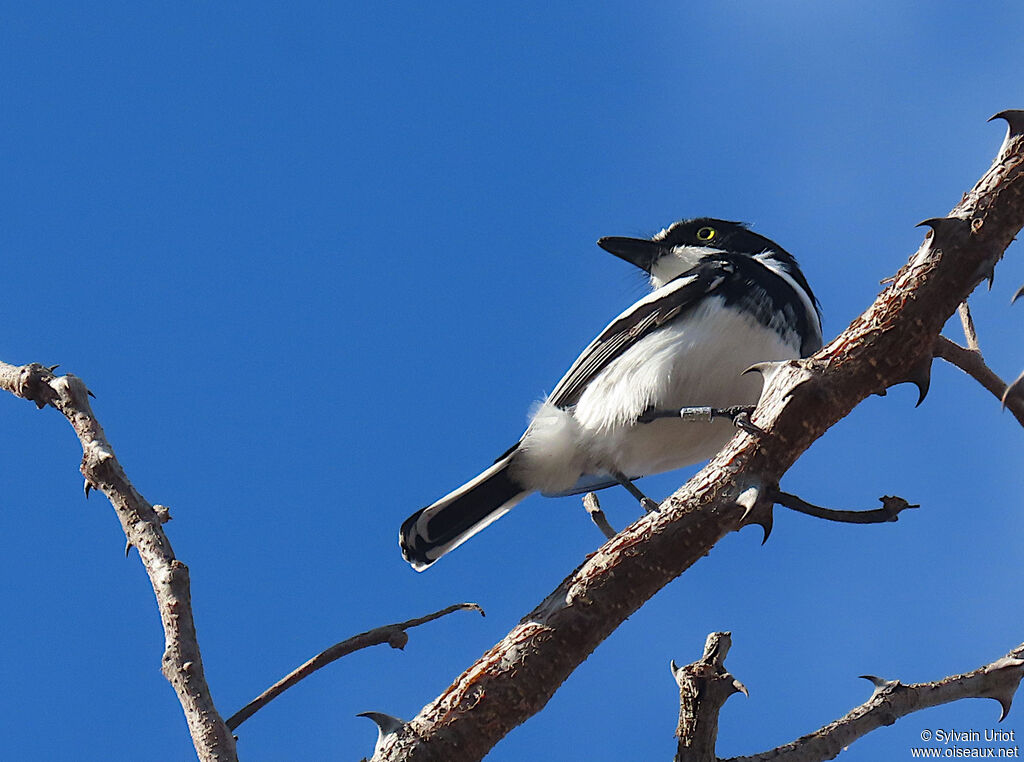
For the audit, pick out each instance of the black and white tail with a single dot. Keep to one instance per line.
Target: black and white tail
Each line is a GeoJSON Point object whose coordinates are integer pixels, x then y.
{"type": "Point", "coordinates": [432, 531]}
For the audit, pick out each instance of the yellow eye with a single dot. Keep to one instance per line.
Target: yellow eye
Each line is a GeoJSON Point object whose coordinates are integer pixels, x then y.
{"type": "Point", "coordinates": [706, 234]}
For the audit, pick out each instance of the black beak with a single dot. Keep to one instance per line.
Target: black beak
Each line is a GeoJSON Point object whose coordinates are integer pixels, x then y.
{"type": "Point", "coordinates": [637, 251]}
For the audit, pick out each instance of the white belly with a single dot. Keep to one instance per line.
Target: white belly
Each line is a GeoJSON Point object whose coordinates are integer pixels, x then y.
{"type": "Point", "coordinates": [695, 362]}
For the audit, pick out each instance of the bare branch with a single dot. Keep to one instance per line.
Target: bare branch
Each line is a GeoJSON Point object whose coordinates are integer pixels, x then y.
{"type": "Point", "coordinates": [890, 510]}
{"type": "Point", "coordinates": [142, 524]}
{"type": "Point", "coordinates": [972, 364]}
{"type": "Point", "coordinates": [886, 345]}
{"type": "Point", "coordinates": [970, 333]}
{"type": "Point", "coordinates": [393, 634]}
{"type": "Point", "coordinates": [892, 700]}
{"type": "Point", "coordinates": [593, 507]}
{"type": "Point", "coordinates": [704, 687]}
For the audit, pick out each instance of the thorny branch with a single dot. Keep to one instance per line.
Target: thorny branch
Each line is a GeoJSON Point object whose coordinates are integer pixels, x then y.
{"type": "Point", "coordinates": [892, 342]}
{"type": "Point", "coordinates": [706, 684]}
{"type": "Point", "coordinates": [892, 699]}
{"type": "Point", "coordinates": [142, 524]}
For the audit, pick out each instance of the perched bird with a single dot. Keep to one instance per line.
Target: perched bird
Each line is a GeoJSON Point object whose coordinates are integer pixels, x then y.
{"type": "Point", "coordinates": [725, 298]}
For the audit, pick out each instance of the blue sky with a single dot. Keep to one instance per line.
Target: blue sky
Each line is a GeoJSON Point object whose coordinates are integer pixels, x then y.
{"type": "Point", "coordinates": [316, 261]}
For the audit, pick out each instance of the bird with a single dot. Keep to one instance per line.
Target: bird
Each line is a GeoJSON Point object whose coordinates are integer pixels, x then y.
{"type": "Point", "coordinates": [724, 298]}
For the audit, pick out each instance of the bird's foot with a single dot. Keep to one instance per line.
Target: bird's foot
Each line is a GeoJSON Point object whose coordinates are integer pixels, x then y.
{"type": "Point", "coordinates": [740, 417]}
{"type": "Point", "coordinates": [738, 414]}
{"type": "Point", "coordinates": [649, 505]}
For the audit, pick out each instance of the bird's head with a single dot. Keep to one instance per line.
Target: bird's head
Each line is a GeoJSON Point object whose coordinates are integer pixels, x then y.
{"type": "Point", "coordinates": [682, 244]}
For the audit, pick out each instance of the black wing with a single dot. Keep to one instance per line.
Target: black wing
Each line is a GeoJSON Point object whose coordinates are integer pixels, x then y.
{"type": "Point", "coordinates": [638, 321]}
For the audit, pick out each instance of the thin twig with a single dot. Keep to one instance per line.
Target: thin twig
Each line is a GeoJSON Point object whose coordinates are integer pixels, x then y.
{"type": "Point", "coordinates": [890, 510]}
{"type": "Point", "coordinates": [970, 333]}
{"type": "Point", "coordinates": [392, 634]}
{"type": "Point", "coordinates": [142, 525]}
{"type": "Point", "coordinates": [974, 366]}
{"type": "Point", "coordinates": [593, 507]}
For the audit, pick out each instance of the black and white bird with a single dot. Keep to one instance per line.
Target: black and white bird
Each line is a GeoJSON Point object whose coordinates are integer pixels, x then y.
{"type": "Point", "coordinates": [724, 298]}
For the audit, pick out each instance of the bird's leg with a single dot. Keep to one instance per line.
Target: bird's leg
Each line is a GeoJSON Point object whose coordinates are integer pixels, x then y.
{"type": "Point", "coordinates": [645, 502]}
{"type": "Point", "coordinates": [738, 414]}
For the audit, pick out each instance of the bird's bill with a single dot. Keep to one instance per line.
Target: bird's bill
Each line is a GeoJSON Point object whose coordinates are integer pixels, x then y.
{"type": "Point", "coordinates": [637, 251]}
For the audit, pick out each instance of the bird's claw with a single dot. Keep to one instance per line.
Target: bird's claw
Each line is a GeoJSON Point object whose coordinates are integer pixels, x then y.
{"type": "Point", "coordinates": [740, 417]}
{"type": "Point", "coordinates": [738, 414]}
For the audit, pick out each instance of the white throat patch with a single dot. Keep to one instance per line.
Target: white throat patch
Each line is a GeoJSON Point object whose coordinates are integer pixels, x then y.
{"type": "Point", "coordinates": [681, 259]}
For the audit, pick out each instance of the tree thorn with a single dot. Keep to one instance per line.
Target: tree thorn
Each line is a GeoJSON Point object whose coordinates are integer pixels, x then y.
{"type": "Point", "coordinates": [1004, 693]}
{"type": "Point", "coordinates": [1005, 702]}
{"type": "Point", "coordinates": [880, 684]}
{"type": "Point", "coordinates": [766, 369]}
{"type": "Point", "coordinates": [1016, 388]}
{"type": "Point", "coordinates": [1014, 119]}
{"type": "Point", "coordinates": [921, 377]}
{"type": "Point", "coordinates": [756, 510]}
{"type": "Point", "coordinates": [946, 228]}
{"type": "Point", "coordinates": [386, 726]}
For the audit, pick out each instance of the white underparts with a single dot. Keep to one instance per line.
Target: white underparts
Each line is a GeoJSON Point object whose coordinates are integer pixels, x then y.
{"type": "Point", "coordinates": [694, 362]}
